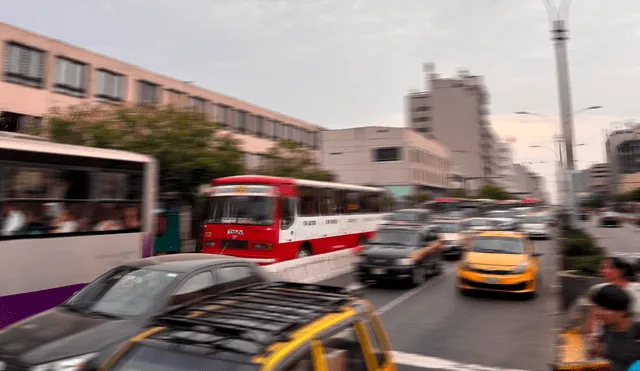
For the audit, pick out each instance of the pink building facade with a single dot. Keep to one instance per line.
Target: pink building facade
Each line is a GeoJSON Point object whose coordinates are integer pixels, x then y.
{"type": "Point", "coordinates": [39, 73]}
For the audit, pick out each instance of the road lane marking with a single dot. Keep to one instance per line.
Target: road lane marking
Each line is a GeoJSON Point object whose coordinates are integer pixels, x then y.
{"type": "Point", "coordinates": [409, 294]}
{"type": "Point", "coordinates": [420, 361]}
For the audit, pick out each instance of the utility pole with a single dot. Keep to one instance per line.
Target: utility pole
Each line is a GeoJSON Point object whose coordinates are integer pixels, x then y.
{"type": "Point", "coordinates": [559, 36]}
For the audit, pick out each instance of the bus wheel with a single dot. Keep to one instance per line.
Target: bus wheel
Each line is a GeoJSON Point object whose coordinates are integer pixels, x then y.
{"type": "Point", "coordinates": [304, 252]}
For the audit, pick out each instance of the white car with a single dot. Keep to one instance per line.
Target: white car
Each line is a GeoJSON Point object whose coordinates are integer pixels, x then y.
{"type": "Point", "coordinates": [452, 237]}
{"type": "Point", "coordinates": [536, 226]}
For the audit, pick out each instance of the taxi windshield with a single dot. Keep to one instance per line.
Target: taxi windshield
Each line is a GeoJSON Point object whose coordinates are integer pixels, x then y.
{"type": "Point", "coordinates": [252, 210]}
{"type": "Point", "coordinates": [404, 237]}
{"type": "Point", "coordinates": [123, 292]}
{"type": "Point", "coordinates": [449, 227]}
{"type": "Point", "coordinates": [498, 245]}
{"type": "Point", "coordinates": [144, 358]}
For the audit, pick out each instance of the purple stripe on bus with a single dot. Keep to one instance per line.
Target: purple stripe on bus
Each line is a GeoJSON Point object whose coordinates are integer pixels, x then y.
{"type": "Point", "coordinates": [147, 246]}
{"type": "Point", "coordinates": [14, 308]}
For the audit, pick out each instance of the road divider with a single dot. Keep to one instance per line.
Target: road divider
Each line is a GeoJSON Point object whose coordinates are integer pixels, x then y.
{"type": "Point", "coordinates": [315, 268]}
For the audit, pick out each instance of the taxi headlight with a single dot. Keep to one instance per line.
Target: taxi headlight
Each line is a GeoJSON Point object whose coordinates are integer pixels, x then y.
{"type": "Point", "coordinates": [521, 268]}
{"type": "Point", "coordinates": [67, 364]}
{"type": "Point", "coordinates": [405, 261]}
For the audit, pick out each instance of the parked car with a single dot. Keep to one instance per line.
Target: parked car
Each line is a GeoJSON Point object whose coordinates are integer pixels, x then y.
{"type": "Point", "coordinates": [86, 328]}
{"type": "Point", "coordinates": [609, 219]}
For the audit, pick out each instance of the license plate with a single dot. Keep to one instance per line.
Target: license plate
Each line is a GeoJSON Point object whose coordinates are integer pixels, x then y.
{"type": "Point", "coordinates": [491, 280]}
{"type": "Point", "coordinates": [377, 271]}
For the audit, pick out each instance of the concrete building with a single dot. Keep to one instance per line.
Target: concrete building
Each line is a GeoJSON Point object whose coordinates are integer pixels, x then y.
{"type": "Point", "coordinates": [504, 156]}
{"type": "Point", "coordinates": [455, 112]}
{"type": "Point", "coordinates": [40, 73]}
{"type": "Point", "coordinates": [623, 155]}
{"type": "Point", "coordinates": [527, 183]}
{"type": "Point", "coordinates": [600, 179]}
{"type": "Point", "coordinates": [399, 159]}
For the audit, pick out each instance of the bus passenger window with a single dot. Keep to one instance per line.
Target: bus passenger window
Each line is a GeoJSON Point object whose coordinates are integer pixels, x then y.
{"type": "Point", "coordinates": [351, 202]}
{"type": "Point", "coordinates": [309, 201]}
{"type": "Point", "coordinates": [288, 213]}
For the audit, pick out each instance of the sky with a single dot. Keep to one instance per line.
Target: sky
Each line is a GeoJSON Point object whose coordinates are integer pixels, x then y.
{"type": "Point", "coordinates": [345, 63]}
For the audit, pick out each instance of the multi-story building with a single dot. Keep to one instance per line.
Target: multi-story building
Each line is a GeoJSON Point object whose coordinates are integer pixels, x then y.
{"type": "Point", "coordinates": [40, 73]}
{"type": "Point", "coordinates": [455, 112]}
{"type": "Point", "coordinates": [399, 159]}
{"type": "Point", "coordinates": [504, 157]}
{"type": "Point", "coordinates": [623, 155]}
{"type": "Point", "coordinates": [600, 179]}
{"type": "Point", "coordinates": [527, 183]}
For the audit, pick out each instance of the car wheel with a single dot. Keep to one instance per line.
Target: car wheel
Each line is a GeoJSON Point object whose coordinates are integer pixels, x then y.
{"type": "Point", "coordinates": [463, 292]}
{"type": "Point", "coordinates": [419, 275]}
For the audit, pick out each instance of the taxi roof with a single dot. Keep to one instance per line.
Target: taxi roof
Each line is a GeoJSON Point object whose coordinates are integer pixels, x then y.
{"type": "Point", "coordinates": [507, 234]}
{"type": "Point", "coordinates": [253, 324]}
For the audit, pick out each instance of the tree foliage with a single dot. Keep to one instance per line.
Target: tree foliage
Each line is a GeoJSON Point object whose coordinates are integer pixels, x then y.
{"type": "Point", "coordinates": [493, 192]}
{"type": "Point", "coordinates": [421, 197]}
{"type": "Point", "coordinates": [187, 147]}
{"type": "Point", "coordinates": [291, 160]}
{"type": "Point", "coordinates": [631, 196]}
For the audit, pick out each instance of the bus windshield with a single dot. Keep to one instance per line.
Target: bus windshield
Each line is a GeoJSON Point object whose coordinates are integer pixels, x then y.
{"type": "Point", "coordinates": [251, 210]}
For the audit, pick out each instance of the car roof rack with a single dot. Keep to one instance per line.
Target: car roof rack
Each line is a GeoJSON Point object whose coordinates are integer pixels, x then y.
{"type": "Point", "coordinates": [249, 320]}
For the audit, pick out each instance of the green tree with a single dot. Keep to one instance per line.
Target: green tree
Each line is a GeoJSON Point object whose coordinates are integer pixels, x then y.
{"type": "Point", "coordinates": [493, 192]}
{"type": "Point", "coordinates": [421, 197]}
{"type": "Point", "coordinates": [291, 160]}
{"type": "Point", "coordinates": [188, 148]}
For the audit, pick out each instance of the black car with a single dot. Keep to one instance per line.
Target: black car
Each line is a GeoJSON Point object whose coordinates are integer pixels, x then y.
{"type": "Point", "coordinates": [85, 329]}
{"type": "Point", "coordinates": [609, 219]}
{"type": "Point", "coordinates": [410, 253]}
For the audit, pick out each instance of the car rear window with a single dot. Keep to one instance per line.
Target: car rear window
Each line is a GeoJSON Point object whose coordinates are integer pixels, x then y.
{"type": "Point", "coordinates": [146, 358]}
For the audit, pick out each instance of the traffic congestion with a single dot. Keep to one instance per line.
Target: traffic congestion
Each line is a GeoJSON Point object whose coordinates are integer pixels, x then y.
{"type": "Point", "coordinates": [448, 284]}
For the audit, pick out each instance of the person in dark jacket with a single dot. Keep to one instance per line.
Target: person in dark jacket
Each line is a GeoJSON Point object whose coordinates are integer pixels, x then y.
{"type": "Point", "coordinates": [620, 342]}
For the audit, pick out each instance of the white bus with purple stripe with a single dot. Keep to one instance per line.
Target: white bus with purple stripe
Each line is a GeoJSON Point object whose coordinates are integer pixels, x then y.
{"type": "Point", "coordinates": [67, 215]}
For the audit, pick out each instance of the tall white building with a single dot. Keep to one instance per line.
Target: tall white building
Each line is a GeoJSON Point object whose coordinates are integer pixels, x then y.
{"type": "Point", "coordinates": [504, 154]}
{"type": "Point", "coordinates": [455, 112]}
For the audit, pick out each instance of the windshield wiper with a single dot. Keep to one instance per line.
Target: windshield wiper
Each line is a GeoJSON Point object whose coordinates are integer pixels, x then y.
{"type": "Point", "coordinates": [71, 308]}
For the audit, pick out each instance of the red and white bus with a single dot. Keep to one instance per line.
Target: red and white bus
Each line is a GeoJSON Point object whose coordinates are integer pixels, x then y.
{"type": "Point", "coordinates": [269, 220]}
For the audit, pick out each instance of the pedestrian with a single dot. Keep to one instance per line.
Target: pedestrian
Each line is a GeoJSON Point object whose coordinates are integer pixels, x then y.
{"type": "Point", "coordinates": [620, 342]}
{"type": "Point", "coordinates": [617, 272]}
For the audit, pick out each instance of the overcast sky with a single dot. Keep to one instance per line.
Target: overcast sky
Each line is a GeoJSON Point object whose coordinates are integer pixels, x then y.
{"type": "Point", "coordinates": [342, 63]}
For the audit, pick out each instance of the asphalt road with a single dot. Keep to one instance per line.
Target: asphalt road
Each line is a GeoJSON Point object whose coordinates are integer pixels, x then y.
{"type": "Point", "coordinates": [432, 327]}
{"type": "Point", "coordinates": [623, 241]}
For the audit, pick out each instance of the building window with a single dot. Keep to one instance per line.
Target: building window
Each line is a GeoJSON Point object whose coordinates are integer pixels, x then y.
{"type": "Point", "coordinates": [174, 97]}
{"type": "Point", "coordinates": [423, 130]}
{"type": "Point", "coordinates": [277, 130]}
{"type": "Point", "coordinates": [242, 121]}
{"type": "Point", "coordinates": [387, 154]}
{"type": "Point", "coordinates": [24, 65]}
{"type": "Point", "coordinates": [259, 120]}
{"type": "Point", "coordinates": [198, 104]}
{"type": "Point", "coordinates": [109, 86]}
{"type": "Point", "coordinates": [315, 140]}
{"type": "Point", "coordinates": [421, 119]}
{"type": "Point", "coordinates": [422, 109]}
{"type": "Point", "coordinates": [70, 77]}
{"type": "Point", "coordinates": [147, 92]}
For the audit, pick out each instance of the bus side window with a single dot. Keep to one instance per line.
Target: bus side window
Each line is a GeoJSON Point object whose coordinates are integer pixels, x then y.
{"type": "Point", "coordinates": [288, 213]}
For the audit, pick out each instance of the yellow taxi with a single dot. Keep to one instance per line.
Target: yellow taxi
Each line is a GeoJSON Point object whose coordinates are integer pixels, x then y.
{"type": "Point", "coordinates": [503, 261]}
{"type": "Point", "coordinates": [264, 327]}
